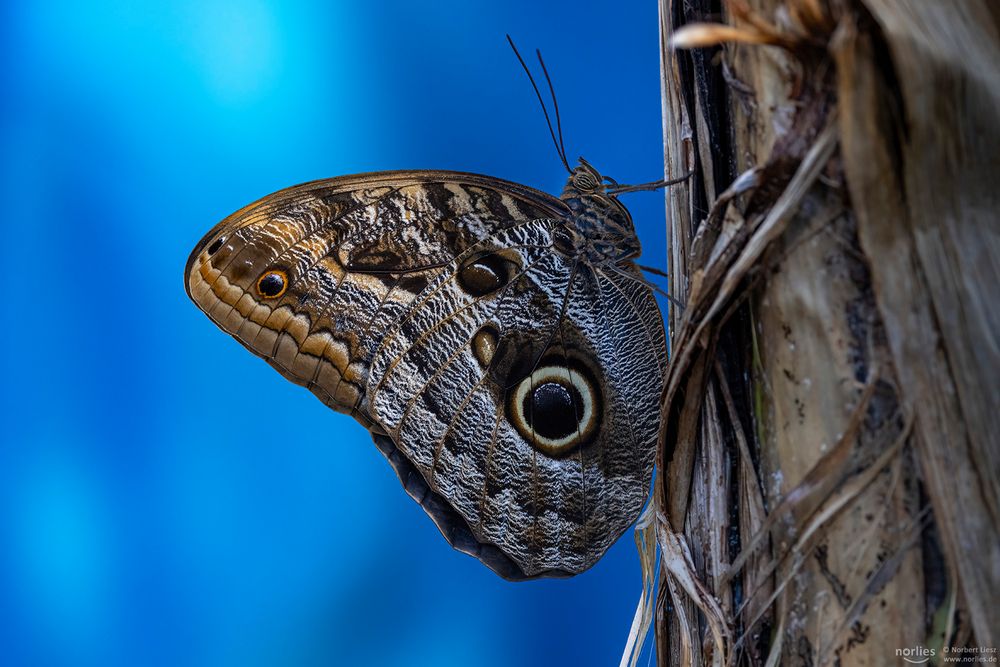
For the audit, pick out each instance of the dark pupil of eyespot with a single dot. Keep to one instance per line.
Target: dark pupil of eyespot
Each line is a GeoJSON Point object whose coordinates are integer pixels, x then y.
{"type": "Point", "coordinates": [271, 284]}
{"type": "Point", "coordinates": [553, 410]}
{"type": "Point", "coordinates": [214, 248]}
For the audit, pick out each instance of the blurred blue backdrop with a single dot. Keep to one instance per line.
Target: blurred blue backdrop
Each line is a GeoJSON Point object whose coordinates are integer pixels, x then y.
{"type": "Point", "coordinates": [148, 515]}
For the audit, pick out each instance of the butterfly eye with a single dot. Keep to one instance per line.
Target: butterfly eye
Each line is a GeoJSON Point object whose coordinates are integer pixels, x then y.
{"type": "Point", "coordinates": [485, 274]}
{"type": "Point", "coordinates": [214, 248]}
{"type": "Point", "coordinates": [272, 284]}
{"type": "Point", "coordinates": [555, 409]}
{"type": "Point", "coordinates": [584, 181]}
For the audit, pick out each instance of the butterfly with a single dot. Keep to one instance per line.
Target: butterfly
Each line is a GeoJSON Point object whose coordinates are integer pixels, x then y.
{"type": "Point", "coordinates": [499, 343]}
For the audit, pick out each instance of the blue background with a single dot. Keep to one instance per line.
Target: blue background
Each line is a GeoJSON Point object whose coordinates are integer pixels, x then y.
{"type": "Point", "coordinates": [151, 512]}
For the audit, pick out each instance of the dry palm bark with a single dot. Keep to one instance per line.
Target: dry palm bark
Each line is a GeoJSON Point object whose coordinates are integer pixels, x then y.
{"type": "Point", "coordinates": [828, 489]}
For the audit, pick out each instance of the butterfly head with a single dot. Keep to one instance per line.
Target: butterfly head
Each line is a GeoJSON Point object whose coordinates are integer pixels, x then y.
{"type": "Point", "coordinates": [602, 223]}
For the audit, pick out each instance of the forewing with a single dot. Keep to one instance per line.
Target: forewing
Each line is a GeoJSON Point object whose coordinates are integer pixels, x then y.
{"type": "Point", "coordinates": [353, 253]}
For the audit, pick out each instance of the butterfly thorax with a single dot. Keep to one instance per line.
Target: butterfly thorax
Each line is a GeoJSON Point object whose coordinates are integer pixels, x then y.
{"type": "Point", "coordinates": [602, 228]}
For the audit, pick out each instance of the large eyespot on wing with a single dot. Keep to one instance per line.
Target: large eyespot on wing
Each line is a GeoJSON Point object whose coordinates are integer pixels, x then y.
{"type": "Point", "coordinates": [558, 406]}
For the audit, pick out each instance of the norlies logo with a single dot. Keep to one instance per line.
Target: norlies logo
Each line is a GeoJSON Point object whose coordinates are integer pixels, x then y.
{"type": "Point", "coordinates": [916, 655]}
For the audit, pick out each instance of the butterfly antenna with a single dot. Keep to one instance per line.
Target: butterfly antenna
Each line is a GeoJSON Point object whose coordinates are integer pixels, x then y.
{"type": "Point", "coordinates": [555, 104]}
{"type": "Point", "coordinates": [545, 111]}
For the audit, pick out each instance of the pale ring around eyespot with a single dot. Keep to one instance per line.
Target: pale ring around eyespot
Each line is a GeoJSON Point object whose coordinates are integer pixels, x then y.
{"type": "Point", "coordinates": [565, 377]}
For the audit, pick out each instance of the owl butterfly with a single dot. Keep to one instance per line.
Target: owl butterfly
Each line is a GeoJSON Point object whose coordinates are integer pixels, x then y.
{"type": "Point", "coordinates": [499, 343]}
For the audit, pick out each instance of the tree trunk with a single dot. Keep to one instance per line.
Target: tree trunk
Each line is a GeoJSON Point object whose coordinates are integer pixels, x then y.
{"type": "Point", "coordinates": [828, 488]}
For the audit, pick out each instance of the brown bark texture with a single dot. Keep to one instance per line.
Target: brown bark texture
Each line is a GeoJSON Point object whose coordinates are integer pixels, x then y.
{"type": "Point", "coordinates": [828, 486]}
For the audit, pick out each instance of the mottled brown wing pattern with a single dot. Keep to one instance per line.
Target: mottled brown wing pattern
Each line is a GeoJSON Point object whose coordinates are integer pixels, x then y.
{"type": "Point", "coordinates": [448, 406]}
{"type": "Point", "coordinates": [506, 364]}
{"type": "Point", "coordinates": [343, 279]}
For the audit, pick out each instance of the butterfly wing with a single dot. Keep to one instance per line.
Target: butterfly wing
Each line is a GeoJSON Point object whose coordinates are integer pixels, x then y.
{"type": "Point", "coordinates": [426, 304]}
{"type": "Point", "coordinates": [526, 400]}
{"type": "Point", "coordinates": [349, 256]}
